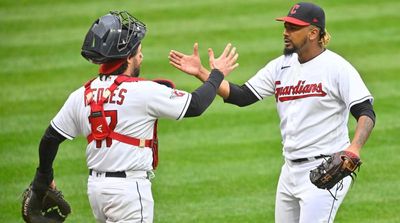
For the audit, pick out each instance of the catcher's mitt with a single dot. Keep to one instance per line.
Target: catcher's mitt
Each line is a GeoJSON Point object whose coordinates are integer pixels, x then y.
{"type": "Point", "coordinates": [47, 207]}
{"type": "Point", "coordinates": [334, 169]}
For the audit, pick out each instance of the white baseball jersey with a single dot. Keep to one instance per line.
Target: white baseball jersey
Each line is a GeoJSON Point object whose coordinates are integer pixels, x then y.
{"type": "Point", "coordinates": [132, 109]}
{"type": "Point", "coordinates": [313, 100]}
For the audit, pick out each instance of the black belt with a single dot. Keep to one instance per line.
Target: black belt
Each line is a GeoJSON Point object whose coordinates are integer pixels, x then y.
{"type": "Point", "coordinates": [120, 174]}
{"type": "Point", "coordinates": [309, 159]}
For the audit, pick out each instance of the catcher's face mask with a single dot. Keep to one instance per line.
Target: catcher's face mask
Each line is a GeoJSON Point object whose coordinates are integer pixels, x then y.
{"type": "Point", "coordinates": [113, 36]}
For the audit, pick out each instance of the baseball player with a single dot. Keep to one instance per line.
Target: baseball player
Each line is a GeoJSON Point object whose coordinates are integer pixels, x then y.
{"type": "Point", "coordinates": [117, 112]}
{"type": "Point", "coordinates": [315, 89]}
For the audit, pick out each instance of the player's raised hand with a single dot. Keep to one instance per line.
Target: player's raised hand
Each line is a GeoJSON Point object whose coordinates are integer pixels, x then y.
{"type": "Point", "coordinates": [190, 64]}
{"type": "Point", "coordinates": [226, 63]}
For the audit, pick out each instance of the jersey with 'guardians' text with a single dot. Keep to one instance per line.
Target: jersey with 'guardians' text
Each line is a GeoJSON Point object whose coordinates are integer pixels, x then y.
{"type": "Point", "coordinates": [132, 109]}
{"type": "Point", "coordinates": [313, 100]}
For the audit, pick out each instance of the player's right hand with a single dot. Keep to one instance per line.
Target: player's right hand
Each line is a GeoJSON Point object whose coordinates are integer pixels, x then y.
{"type": "Point", "coordinates": [225, 63]}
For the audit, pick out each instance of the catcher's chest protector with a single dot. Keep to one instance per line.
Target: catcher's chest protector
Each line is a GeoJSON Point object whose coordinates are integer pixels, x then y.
{"type": "Point", "coordinates": [100, 130]}
{"type": "Point", "coordinates": [98, 122]}
{"type": "Point", "coordinates": [97, 118]}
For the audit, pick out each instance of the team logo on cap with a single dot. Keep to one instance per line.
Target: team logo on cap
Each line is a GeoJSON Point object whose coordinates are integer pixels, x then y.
{"type": "Point", "coordinates": [294, 9]}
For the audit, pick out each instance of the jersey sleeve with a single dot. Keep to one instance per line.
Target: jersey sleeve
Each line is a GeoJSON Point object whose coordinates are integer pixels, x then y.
{"type": "Point", "coordinates": [167, 102]}
{"type": "Point", "coordinates": [262, 84]}
{"type": "Point", "coordinates": [352, 88]}
{"type": "Point", "coordinates": [65, 120]}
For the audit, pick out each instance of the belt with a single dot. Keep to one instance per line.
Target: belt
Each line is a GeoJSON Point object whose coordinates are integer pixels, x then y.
{"type": "Point", "coordinates": [309, 158]}
{"type": "Point", "coordinates": [120, 174]}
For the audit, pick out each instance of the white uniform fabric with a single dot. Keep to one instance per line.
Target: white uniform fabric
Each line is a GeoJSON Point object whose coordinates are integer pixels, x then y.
{"type": "Point", "coordinates": [313, 100]}
{"type": "Point", "coordinates": [299, 201]}
{"type": "Point", "coordinates": [133, 109]}
{"type": "Point", "coordinates": [114, 199]}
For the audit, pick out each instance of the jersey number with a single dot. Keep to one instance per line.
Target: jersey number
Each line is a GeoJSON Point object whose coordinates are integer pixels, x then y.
{"type": "Point", "coordinates": [112, 115]}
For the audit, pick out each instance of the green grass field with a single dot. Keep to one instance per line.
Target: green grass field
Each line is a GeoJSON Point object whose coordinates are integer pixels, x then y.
{"type": "Point", "coordinates": [221, 167]}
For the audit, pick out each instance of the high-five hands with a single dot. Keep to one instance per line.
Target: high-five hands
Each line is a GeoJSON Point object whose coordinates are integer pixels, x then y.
{"type": "Point", "coordinates": [225, 63]}
{"type": "Point", "coordinates": [191, 64]}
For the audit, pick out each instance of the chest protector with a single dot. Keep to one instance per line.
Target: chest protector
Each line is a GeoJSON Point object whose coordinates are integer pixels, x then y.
{"type": "Point", "coordinates": [100, 129]}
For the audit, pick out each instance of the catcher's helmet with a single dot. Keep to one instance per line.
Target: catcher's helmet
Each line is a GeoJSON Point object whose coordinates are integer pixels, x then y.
{"type": "Point", "coordinates": [113, 36]}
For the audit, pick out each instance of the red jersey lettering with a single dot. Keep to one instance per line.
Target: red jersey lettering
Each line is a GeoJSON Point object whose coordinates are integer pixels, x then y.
{"type": "Point", "coordinates": [301, 90]}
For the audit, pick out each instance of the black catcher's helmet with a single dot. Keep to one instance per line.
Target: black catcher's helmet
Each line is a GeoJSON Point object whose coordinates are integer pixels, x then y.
{"type": "Point", "coordinates": [113, 36]}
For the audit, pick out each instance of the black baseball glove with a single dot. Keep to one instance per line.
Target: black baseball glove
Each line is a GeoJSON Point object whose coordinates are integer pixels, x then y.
{"type": "Point", "coordinates": [334, 169]}
{"type": "Point", "coordinates": [44, 204]}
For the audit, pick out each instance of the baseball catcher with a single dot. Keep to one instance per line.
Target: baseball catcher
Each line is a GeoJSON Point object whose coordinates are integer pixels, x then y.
{"type": "Point", "coordinates": [42, 203]}
{"type": "Point", "coordinates": [334, 169]}
{"type": "Point", "coordinates": [117, 111]}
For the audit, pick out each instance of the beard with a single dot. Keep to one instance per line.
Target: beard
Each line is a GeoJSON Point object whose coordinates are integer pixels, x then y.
{"type": "Point", "coordinates": [136, 72]}
{"type": "Point", "coordinates": [289, 51]}
{"type": "Point", "coordinates": [295, 49]}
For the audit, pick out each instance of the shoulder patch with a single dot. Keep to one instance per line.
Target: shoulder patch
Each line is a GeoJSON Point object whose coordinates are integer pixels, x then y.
{"type": "Point", "coordinates": [177, 93]}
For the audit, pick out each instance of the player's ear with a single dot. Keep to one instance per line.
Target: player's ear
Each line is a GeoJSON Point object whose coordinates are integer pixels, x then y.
{"type": "Point", "coordinates": [313, 34]}
{"type": "Point", "coordinates": [137, 53]}
{"type": "Point", "coordinates": [129, 59]}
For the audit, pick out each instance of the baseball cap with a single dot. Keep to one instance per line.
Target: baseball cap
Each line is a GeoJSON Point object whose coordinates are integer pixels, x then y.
{"type": "Point", "coordinates": [305, 14]}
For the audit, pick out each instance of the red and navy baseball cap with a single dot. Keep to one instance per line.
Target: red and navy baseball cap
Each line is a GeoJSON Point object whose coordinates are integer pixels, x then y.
{"type": "Point", "coordinates": [305, 14]}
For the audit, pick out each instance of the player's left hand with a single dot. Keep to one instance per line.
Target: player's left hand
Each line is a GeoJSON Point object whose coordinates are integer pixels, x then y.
{"type": "Point", "coordinates": [42, 202]}
{"type": "Point", "coordinates": [334, 169]}
{"type": "Point", "coordinates": [190, 64]}
{"type": "Point", "coordinates": [353, 150]}
{"type": "Point", "coordinates": [50, 208]}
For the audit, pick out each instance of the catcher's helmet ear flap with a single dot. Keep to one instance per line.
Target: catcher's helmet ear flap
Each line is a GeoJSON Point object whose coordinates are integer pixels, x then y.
{"type": "Point", "coordinates": [113, 36]}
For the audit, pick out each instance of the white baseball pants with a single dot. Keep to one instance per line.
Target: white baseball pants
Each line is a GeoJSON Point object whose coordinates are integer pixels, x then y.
{"type": "Point", "coordinates": [300, 201]}
{"type": "Point", "coordinates": [121, 200]}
